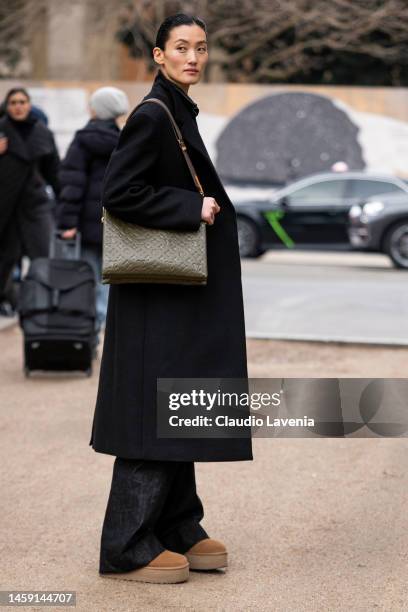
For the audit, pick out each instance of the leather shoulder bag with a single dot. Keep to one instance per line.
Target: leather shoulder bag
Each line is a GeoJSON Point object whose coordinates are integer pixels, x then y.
{"type": "Point", "coordinates": [135, 254]}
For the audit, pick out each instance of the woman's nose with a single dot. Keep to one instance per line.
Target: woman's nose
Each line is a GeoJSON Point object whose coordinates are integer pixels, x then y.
{"type": "Point", "coordinates": [192, 57]}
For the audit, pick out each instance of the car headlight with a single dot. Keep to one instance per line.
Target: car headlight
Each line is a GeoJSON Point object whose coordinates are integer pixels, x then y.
{"type": "Point", "coordinates": [371, 209]}
{"type": "Point", "coordinates": [355, 211]}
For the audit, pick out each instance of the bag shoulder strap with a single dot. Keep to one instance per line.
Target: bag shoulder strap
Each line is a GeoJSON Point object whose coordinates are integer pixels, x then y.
{"type": "Point", "coordinates": [180, 140]}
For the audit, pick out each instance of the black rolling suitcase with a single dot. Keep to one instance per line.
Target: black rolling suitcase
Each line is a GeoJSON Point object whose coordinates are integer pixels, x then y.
{"type": "Point", "coordinates": [57, 310]}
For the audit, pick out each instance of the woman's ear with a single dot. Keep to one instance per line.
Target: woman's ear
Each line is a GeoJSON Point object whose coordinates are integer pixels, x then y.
{"type": "Point", "coordinates": [158, 55]}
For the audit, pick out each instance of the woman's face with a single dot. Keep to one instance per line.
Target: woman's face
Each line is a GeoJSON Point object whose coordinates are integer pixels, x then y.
{"type": "Point", "coordinates": [185, 55]}
{"type": "Point", "coordinates": [18, 106]}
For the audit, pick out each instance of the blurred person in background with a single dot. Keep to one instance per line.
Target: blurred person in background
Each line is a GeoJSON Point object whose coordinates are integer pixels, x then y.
{"type": "Point", "coordinates": [81, 177]}
{"type": "Point", "coordinates": [29, 161]}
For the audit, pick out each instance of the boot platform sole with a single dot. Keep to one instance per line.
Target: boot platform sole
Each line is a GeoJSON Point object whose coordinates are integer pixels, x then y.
{"type": "Point", "coordinates": [209, 561]}
{"type": "Point", "coordinates": [160, 575]}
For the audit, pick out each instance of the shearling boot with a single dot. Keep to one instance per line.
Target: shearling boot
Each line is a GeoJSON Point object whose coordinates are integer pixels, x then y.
{"type": "Point", "coordinates": [167, 568]}
{"type": "Point", "coordinates": [207, 554]}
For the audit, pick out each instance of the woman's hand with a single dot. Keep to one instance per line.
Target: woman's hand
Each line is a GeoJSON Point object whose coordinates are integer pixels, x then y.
{"type": "Point", "coordinates": [209, 210]}
{"type": "Point", "coordinates": [69, 233]}
{"type": "Point", "coordinates": [3, 145]}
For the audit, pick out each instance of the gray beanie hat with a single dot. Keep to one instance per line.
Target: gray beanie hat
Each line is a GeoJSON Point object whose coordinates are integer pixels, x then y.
{"type": "Point", "coordinates": [109, 102]}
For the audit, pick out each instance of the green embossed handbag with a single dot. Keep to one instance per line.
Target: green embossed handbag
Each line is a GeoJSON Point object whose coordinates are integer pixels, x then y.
{"type": "Point", "coordinates": [136, 254]}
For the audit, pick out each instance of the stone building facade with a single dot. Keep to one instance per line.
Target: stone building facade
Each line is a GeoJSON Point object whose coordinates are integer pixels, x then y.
{"type": "Point", "coordinates": [66, 40]}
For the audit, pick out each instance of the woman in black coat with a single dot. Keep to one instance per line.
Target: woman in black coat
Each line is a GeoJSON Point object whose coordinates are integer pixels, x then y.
{"type": "Point", "coordinates": [151, 529]}
{"type": "Point", "coordinates": [29, 162]}
{"type": "Point", "coordinates": [81, 176]}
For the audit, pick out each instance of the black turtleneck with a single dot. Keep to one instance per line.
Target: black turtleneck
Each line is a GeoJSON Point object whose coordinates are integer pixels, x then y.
{"type": "Point", "coordinates": [23, 127]}
{"type": "Point", "coordinates": [161, 77]}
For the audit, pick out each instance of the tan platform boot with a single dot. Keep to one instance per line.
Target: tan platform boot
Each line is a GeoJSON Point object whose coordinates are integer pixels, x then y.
{"type": "Point", "coordinates": [167, 568]}
{"type": "Point", "coordinates": [208, 554]}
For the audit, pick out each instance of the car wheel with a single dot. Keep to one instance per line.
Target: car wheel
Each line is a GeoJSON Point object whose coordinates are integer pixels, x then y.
{"type": "Point", "coordinates": [248, 238]}
{"type": "Point", "coordinates": [396, 244]}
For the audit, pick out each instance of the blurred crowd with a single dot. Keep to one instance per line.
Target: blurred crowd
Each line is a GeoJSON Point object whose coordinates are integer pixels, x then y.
{"type": "Point", "coordinates": [41, 193]}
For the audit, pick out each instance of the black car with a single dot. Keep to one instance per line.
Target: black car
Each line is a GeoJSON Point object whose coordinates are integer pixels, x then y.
{"type": "Point", "coordinates": [380, 224]}
{"type": "Point", "coordinates": [309, 213]}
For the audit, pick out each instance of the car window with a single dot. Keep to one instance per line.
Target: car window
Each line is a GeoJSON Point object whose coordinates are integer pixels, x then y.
{"type": "Point", "coordinates": [368, 188]}
{"type": "Point", "coordinates": [323, 193]}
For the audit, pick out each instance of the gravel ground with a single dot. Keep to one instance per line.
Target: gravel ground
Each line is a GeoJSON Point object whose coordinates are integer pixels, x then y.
{"type": "Point", "coordinates": [310, 524]}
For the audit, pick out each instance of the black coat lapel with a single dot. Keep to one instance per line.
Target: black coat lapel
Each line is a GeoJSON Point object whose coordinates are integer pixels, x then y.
{"type": "Point", "coordinates": [180, 111]}
{"type": "Point", "coordinates": [185, 119]}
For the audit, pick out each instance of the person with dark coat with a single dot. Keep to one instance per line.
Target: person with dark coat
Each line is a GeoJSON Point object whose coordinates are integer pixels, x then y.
{"type": "Point", "coordinates": [81, 176]}
{"type": "Point", "coordinates": [152, 530]}
{"type": "Point", "coordinates": [29, 161]}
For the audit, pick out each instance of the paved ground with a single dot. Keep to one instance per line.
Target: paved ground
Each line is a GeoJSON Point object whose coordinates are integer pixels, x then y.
{"type": "Point", "coordinates": [348, 297]}
{"type": "Point", "coordinates": [311, 524]}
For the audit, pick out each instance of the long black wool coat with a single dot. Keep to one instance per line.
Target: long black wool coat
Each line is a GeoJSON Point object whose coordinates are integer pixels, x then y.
{"type": "Point", "coordinates": [29, 164]}
{"type": "Point", "coordinates": [165, 331]}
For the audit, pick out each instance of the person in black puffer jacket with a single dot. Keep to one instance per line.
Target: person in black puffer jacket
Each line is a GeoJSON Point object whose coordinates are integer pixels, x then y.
{"type": "Point", "coordinates": [81, 178]}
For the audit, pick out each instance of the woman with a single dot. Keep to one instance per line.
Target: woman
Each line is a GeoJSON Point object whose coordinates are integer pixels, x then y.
{"type": "Point", "coordinates": [152, 528]}
{"type": "Point", "coordinates": [29, 162]}
{"type": "Point", "coordinates": [81, 178]}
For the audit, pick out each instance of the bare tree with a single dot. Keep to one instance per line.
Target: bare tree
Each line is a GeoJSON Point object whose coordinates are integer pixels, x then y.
{"type": "Point", "coordinates": [14, 34]}
{"type": "Point", "coordinates": [25, 29]}
{"type": "Point", "coordinates": [277, 40]}
{"type": "Point", "coordinates": [347, 41]}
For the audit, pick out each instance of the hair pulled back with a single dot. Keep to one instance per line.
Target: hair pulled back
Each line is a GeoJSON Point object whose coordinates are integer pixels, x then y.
{"type": "Point", "coordinates": [163, 33]}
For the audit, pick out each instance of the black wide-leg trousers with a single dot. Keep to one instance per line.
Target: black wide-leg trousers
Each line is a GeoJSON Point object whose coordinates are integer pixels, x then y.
{"type": "Point", "coordinates": [152, 506]}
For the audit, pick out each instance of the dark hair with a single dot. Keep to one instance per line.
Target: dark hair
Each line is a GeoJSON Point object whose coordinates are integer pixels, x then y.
{"type": "Point", "coordinates": [163, 33]}
{"type": "Point", "coordinates": [16, 90]}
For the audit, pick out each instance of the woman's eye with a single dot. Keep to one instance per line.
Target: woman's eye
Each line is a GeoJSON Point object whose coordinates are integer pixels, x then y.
{"type": "Point", "coordinates": [201, 49]}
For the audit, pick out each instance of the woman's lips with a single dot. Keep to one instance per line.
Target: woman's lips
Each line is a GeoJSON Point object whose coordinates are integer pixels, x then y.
{"type": "Point", "coordinates": [191, 70]}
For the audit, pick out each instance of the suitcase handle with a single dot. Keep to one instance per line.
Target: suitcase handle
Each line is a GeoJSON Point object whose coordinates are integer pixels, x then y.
{"type": "Point", "coordinates": [60, 248]}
